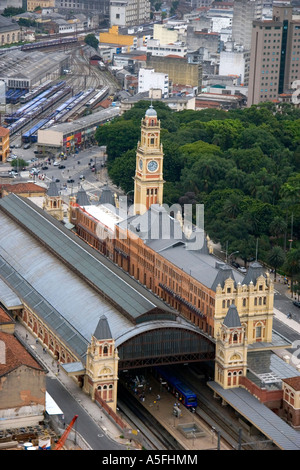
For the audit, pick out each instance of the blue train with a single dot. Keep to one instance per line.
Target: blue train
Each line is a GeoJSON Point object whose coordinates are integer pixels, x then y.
{"type": "Point", "coordinates": [182, 392]}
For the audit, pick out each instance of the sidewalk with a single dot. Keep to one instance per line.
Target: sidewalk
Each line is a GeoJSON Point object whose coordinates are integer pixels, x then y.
{"type": "Point", "coordinates": [283, 289]}
{"type": "Point", "coordinates": [95, 412]}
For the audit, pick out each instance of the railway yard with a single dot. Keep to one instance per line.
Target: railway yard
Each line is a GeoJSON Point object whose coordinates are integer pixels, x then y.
{"type": "Point", "coordinates": [74, 89]}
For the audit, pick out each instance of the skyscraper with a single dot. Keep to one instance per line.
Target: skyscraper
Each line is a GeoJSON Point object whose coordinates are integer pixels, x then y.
{"type": "Point", "coordinates": [244, 13]}
{"type": "Point", "coordinates": [275, 55]}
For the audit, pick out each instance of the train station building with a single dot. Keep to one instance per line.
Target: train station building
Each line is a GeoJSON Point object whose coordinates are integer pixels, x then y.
{"type": "Point", "coordinates": [114, 294]}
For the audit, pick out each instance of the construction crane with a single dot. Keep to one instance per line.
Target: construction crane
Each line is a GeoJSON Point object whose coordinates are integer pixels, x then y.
{"type": "Point", "coordinates": [62, 440]}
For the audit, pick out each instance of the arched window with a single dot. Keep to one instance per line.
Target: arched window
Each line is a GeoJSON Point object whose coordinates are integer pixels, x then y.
{"type": "Point", "coordinates": [105, 351]}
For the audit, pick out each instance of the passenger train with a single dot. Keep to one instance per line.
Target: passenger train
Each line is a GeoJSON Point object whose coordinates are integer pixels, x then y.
{"type": "Point", "coordinates": [182, 392]}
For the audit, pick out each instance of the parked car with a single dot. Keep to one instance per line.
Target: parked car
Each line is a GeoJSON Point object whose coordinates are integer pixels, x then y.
{"type": "Point", "coordinates": [70, 180]}
{"type": "Point", "coordinates": [13, 172]}
{"type": "Point", "coordinates": [235, 264]}
{"type": "Point", "coordinates": [296, 303]}
{"type": "Point", "coordinates": [242, 270]}
{"type": "Point", "coordinates": [27, 146]}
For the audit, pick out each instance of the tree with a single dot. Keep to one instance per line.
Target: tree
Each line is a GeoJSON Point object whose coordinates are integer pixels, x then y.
{"type": "Point", "coordinates": [276, 258]}
{"type": "Point", "coordinates": [122, 170]}
{"type": "Point", "coordinates": [12, 11]}
{"type": "Point", "coordinates": [278, 226]}
{"type": "Point", "coordinates": [118, 136]}
{"type": "Point", "coordinates": [19, 163]}
{"type": "Point", "coordinates": [232, 206]}
{"type": "Point", "coordinates": [91, 40]}
{"type": "Point", "coordinates": [292, 265]}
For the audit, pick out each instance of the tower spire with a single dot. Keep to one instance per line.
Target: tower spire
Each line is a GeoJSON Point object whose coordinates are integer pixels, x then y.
{"type": "Point", "coordinates": [148, 180]}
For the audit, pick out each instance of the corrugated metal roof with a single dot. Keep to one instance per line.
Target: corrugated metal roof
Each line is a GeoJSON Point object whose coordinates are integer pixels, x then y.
{"type": "Point", "coordinates": [58, 295]}
{"type": "Point", "coordinates": [56, 237]}
{"type": "Point", "coordinates": [273, 427]}
{"type": "Point", "coordinates": [8, 298]}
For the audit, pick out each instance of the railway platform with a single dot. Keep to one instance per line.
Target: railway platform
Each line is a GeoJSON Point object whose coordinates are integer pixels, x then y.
{"type": "Point", "coordinates": [189, 429]}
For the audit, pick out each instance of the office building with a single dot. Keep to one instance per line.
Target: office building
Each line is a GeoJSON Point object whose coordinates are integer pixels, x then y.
{"type": "Point", "coordinates": [274, 59]}
{"type": "Point", "coordinates": [244, 13]}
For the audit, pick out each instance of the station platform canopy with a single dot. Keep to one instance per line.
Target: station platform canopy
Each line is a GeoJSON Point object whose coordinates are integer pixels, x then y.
{"type": "Point", "coordinates": [260, 416]}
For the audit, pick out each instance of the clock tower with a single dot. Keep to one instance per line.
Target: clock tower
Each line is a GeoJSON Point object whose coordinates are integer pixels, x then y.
{"type": "Point", "coordinates": [148, 180]}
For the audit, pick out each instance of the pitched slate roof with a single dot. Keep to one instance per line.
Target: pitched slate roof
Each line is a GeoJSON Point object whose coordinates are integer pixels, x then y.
{"type": "Point", "coordinates": [82, 198]}
{"type": "Point", "coordinates": [254, 271]}
{"type": "Point", "coordinates": [52, 190]}
{"type": "Point", "coordinates": [103, 331]}
{"type": "Point", "coordinates": [232, 319]}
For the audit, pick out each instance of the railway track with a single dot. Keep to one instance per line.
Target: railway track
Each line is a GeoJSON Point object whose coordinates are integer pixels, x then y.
{"type": "Point", "coordinates": [219, 418]}
{"type": "Point", "coordinates": [155, 436]}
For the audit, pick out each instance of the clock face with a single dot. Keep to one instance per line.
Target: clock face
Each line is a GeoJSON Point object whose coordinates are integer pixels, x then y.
{"type": "Point", "coordinates": [152, 165]}
{"type": "Point", "coordinates": [141, 164]}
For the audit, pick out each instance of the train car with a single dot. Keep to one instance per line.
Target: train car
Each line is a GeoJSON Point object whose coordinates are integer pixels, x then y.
{"type": "Point", "coordinates": [16, 98]}
{"type": "Point", "coordinates": [182, 392]}
{"type": "Point", "coordinates": [98, 97]}
{"type": "Point", "coordinates": [41, 106]}
{"type": "Point", "coordinates": [30, 135]}
{"type": "Point", "coordinates": [35, 92]}
{"type": "Point", "coordinates": [48, 43]}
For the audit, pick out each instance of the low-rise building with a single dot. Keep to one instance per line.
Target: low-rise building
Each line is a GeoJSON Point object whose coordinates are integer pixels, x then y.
{"type": "Point", "coordinates": [113, 37]}
{"type": "Point", "coordinates": [155, 48]}
{"type": "Point", "coordinates": [10, 32]}
{"type": "Point", "coordinates": [33, 4]}
{"type": "Point", "coordinates": [22, 189]}
{"type": "Point", "coordinates": [69, 136]}
{"type": "Point", "coordinates": [291, 400]}
{"type": "Point", "coordinates": [180, 72]}
{"type": "Point", "coordinates": [22, 383]}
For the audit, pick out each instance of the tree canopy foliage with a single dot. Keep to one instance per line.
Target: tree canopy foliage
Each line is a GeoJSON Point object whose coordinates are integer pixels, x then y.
{"type": "Point", "coordinates": [91, 40]}
{"type": "Point", "coordinates": [243, 165]}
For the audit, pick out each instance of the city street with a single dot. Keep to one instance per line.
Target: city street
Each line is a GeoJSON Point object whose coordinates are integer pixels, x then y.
{"type": "Point", "coordinates": [69, 174]}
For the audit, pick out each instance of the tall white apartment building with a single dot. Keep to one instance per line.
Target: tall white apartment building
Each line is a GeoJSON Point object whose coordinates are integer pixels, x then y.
{"type": "Point", "coordinates": [151, 80]}
{"type": "Point", "coordinates": [244, 13]}
{"type": "Point", "coordinates": [129, 12]}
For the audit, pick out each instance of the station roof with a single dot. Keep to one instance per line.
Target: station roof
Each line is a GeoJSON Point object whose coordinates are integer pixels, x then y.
{"type": "Point", "coordinates": [8, 298]}
{"type": "Point", "coordinates": [164, 235]}
{"type": "Point", "coordinates": [264, 419]}
{"type": "Point", "coordinates": [68, 283]}
{"type": "Point", "coordinates": [86, 121]}
{"type": "Point", "coordinates": [28, 65]}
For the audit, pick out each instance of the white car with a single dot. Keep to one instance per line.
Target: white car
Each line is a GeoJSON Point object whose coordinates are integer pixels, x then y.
{"type": "Point", "coordinates": [34, 171]}
{"type": "Point", "coordinates": [56, 163]}
{"type": "Point", "coordinates": [242, 270]}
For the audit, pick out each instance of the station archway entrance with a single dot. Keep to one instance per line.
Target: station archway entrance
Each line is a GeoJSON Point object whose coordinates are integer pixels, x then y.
{"type": "Point", "coordinates": [165, 345]}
